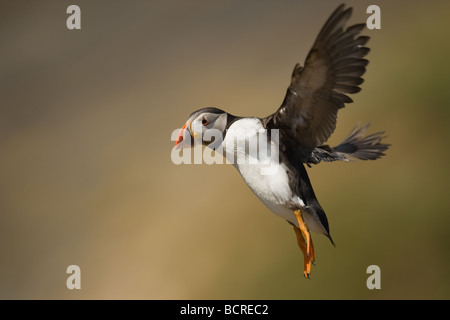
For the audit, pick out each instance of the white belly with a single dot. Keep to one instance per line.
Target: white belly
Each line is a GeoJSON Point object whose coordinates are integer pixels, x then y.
{"type": "Point", "coordinates": [265, 176]}
{"type": "Point", "coordinates": [272, 190]}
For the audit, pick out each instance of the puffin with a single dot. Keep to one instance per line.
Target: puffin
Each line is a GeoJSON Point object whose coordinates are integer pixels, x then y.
{"type": "Point", "coordinates": [295, 134]}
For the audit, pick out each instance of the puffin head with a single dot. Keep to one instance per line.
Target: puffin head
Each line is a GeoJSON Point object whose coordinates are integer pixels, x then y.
{"type": "Point", "coordinates": [198, 123]}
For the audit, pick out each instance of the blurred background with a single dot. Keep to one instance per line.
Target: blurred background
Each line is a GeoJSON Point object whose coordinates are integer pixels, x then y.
{"type": "Point", "coordinates": [86, 176]}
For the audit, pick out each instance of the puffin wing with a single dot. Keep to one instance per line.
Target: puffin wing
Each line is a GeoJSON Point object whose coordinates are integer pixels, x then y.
{"type": "Point", "coordinates": [333, 69]}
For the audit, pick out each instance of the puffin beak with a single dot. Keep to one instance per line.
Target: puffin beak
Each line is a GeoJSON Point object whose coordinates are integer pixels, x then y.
{"type": "Point", "coordinates": [184, 135]}
{"type": "Point", "coordinates": [180, 135]}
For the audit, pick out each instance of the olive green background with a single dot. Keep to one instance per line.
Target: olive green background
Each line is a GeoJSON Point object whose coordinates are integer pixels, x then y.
{"type": "Point", "coordinates": [86, 177]}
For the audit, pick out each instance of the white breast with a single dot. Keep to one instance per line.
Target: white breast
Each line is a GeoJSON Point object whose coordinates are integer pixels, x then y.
{"type": "Point", "coordinates": [263, 173]}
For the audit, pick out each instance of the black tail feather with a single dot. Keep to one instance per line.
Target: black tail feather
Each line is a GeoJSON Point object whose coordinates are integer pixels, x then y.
{"type": "Point", "coordinates": [354, 146]}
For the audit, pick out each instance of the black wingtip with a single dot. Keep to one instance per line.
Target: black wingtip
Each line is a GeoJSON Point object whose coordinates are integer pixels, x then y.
{"type": "Point", "coordinates": [331, 239]}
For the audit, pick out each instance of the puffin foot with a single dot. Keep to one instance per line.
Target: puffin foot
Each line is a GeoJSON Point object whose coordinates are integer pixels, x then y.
{"type": "Point", "coordinates": [306, 246]}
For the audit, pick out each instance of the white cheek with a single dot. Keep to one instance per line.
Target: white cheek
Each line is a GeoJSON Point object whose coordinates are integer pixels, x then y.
{"type": "Point", "coordinates": [197, 127]}
{"type": "Point", "coordinates": [213, 137]}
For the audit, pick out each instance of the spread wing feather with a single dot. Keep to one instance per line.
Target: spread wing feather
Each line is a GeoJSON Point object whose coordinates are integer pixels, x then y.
{"type": "Point", "coordinates": [333, 68]}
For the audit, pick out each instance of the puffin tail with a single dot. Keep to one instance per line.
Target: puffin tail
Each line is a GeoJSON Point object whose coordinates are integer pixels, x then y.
{"type": "Point", "coordinates": [355, 146]}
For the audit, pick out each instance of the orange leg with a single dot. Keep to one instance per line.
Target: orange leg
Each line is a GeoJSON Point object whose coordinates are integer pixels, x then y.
{"type": "Point", "coordinates": [305, 232]}
{"type": "Point", "coordinates": [307, 246]}
{"type": "Point", "coordinates": [302, 244]}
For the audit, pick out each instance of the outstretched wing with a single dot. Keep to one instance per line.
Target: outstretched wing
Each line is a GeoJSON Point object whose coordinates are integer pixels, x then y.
{"type": "Point", "coordinates": [333, 68]}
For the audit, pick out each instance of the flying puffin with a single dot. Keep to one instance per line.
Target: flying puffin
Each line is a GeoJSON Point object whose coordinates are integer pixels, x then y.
{"type": "Point", "coordinates": [303, 123]}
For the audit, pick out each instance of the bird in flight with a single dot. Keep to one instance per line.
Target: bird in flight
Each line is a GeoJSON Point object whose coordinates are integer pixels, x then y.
{"type": "Point", "coordinates": [302, 124]}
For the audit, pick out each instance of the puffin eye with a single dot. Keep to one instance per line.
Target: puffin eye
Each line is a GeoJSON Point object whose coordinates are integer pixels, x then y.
{"type": "Point", "coordinates": [204, 122]}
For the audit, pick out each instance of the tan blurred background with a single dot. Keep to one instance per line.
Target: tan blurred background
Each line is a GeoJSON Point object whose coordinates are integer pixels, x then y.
{"type": "Point", "coordinates": [86, 176]}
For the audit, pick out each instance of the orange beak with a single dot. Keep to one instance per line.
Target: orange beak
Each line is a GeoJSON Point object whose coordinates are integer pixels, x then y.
{"type": "Point", "coordinates": [180, 135]}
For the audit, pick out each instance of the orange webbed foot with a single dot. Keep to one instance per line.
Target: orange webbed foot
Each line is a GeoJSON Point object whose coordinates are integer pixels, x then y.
{"type": "Point", "coordinates": [305, 243]}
